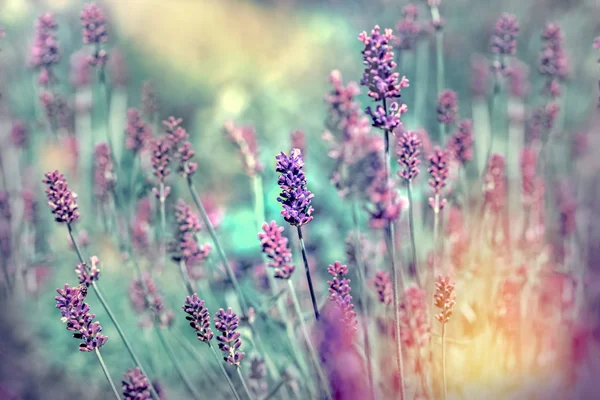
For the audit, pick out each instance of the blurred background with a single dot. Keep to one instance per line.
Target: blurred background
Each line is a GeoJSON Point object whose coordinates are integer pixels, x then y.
{"type": "Point", "coordinates": [261, 63]}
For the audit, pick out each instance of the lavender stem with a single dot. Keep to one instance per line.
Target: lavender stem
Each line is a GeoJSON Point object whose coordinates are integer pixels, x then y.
{"type": "Point", "coordinates": [244, 383]}
{"type": "Point", "coordinates": [107, 374]}
{"type": "Point", "coordinates": [163, 223]}
{"type": "Point", "coordinates": [220, 362]}
{"type": "Point", "coordinates": [411, 221]}
{"type": "Point", "coordinates": [445, 390]}
{"type": "Point", "coordinates": [186, 278]}
{"type": "Point", "coordinates": [307, 269]}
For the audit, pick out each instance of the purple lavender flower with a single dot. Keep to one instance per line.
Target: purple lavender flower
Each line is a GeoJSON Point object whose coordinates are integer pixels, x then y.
{"type": "Point", "coordinates": [229, 342]}
{"type": "Point", "coordinates": [383, 286]}
{"type": "Point", "coordinates": [61, 200]}
{"type": "Point", "coordinates": [461, 142]}
{"type": "Point", "coordinates": [385, 205]}
{"type": "Point", "coordinates": [68, 299]}
{"type": "Point", "coordinates": [504, 37]}
{"type": "Point", "coordinates": [104, 175]}
{"type": "Point", "coordinates": [409, 144]}
{"type": "Point", "coordinates": [149, 99]}
{"type": "Point", "coordinates": [447, 107]}
{"type": "Point", "coordinates": [341, 98]}
{"type": "Point", "coordinates": [408, 29]}
{"type": "Point", "coordinates": [379, 75]}
{"type": "Point", "coordinates": [88, 273]}
{"type": "Point", "coordinates": [553, 62]}
{"type": "Point", "coordinates": [19, 135]}
{"type": "Point", "coordinates": [91, 334]}
{"type": "Point", "coordinates": [294, 196]}
{"type": "Point", "coordinates": [153, 303]}
{"type": "Point", "coordinates": [387, 120]}
{"type": "Point", "coordinates": [44, 51]}
{"type": "Point", "coordinates": [275, 246]}
{"type": "Point", "coordinates": [182, 148]}
{"type": "Point", "coordinates": [199, 317]}
{"type": "Point", "coordinates": [339, 294]}
{"type": "Point", "coordinates": [135, 385]}
{"type": "Point", "coordinates": [438, 170]}
{"type": "Point", "coordinates": [244, 137]}
{"type": "Point", "coordinates": [94, 32]}
{"type": "Point", "coordinates": [160, 159]}
{"type": "Point", "coordinates": [184, 247]}
{"type": "Point", "coordinates": [138, 132]}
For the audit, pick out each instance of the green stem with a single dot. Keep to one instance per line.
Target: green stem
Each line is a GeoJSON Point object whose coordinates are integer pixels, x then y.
{"type": "Point", "coordinates": [105, 92]}
{"type": "Point", "coordinates": [246, 389]}
{"type": "Point", "coordinates": [107, 375]}
{"type": "Point", "coordinates": [311, 349]}
{"type": "Point", "coordinates": [176, 364]}
{"type": "Point", "coordinates": [275, 389]}
{"type": "Point", "coordinates": [439, 52]}
{"type": "Point", "coordinates": [307, 270]}
{"type": "Point", "coordinates": [445, 390]}
{"type": "Point", "coordinates": [163, 223]}
{"type": "Point", "coordinates": [186, 278]}
{"type": "Point", "coordinates": [411, 221]}
{"type": "Point", "coordinates": [111, 315]}
{"type": "Point", "coordinates": [225, 374]}
{"type": "Point", "coordinates": [362, 302]}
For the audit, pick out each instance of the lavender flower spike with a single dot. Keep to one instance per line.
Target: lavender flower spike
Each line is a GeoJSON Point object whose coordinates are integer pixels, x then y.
{"type": "Point", "coordinates": [135, 385]}
{"type": "Point", "coordinates": [275, 247]}
{"type": "Point", "coordinates": [504, 37]}
{"type": "Point", "coordinates": [438, 170]}
{"type": "Point", "coordinates": [447, 108]}
{"type": "Point", "coordinates": [94, 32]}
{"type": "Point", "coordinates": [229, 342]}
{"type": "Point", "coordinates": [409, 144]}
{"type": "Point", "coordinates": [294, 196]}
{"type": "Point", "coordinates": [199, 317]}
{"type": "Point", "coordinates": [88, 274]}
{"type": "Point", "coordinates": [62, 201]}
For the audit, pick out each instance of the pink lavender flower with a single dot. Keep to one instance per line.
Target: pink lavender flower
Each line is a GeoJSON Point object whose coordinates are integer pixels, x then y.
{"type": "Point", "coordinates": [153, 303]}
{"type": "Point", "coordinates": [88, 273]}
{"type": "Point", "coordinates": [298, 140]}
{"type": "Point", "coordinates": [341, 98]}
{"type": "Point", "coordinates": [480, 76]}
{"type": "Point", "coordinates": [294, 197]}
{"type": "Point", "coordinates": [199, 317]}
{"type": "Point", "coordinates": [94, 32]}
{"type": "Point", "coordinates": [30, 206]}
{"type": "Point", "coordinates": [461, 142]}
{"type": "Point", "coordinates": [379, 75]}
{"type": "Point", "coordinates": [504, 37]}
{"type": "Point", "coordinates": [494, 191]}
{"type": "Point", "coordinates": [135, 385]}
{"type": "Point", "coordinates": [542, 120]}
{"type": "Point", "coordinates": [19, 135]}
{"type": "Point", "coordinates": [528, 164]}
{"type": "Point", "coordinates": [79, 72]}
{"type": "Point", "coordinates": [518, 82]}
{"type": "Point", "coordinates": [413, 317]}
{"type": "Point", "coordinates": [339, 294]}
{"type": "Point", "coordinates": [104, 175]}
{"type": "Point", "coordinates": [409, 150]}
{"type": "Point", "coordinates": [438, 171]}
{"type": "Point", "coordinates": [227, 323]}
{"type": "Point", "coordinates": [160, 159]}
{"type": "Point", "coordinates": [244, 137]}
{"type": "Point", "coordinates": [183, 153]}
{"type": "Point", "coordinates": [78, 318]}
{"type": "Point", "coordinates": [383, 286]}
{"type": "Point", "coordinates": [447, 108]}
{"type": "Point", "coordinates": [149, 99]}
{"type": "Point", "coordinates": [117, 68]}
{"type": "Point", "coordinates": [137, 131]}
{"type": "Point", "coordinates": [62, 201]}
{"type": "Point", "coordinates": [553, 62]}
{"type": "Point", "coordinates": [44, 51]}
{"type": "Point", "coordinates": [408, 29]}
{"type": "Point", "coordinates": [275, 247]}
{"type": "Point", "coordinates": [444, 298]}
{"type": "Point", "coordinates": [185, 248]}
{"type": "Point", "coordinates": [385, 206]}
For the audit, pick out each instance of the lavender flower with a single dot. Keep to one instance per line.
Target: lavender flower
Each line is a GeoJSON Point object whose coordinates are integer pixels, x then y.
{"type": "Point", "coordinates": [340, 99]}
{"type": "Point", "coordinates": [160, 159]}
{"type": "Point", "coordinates": [339, 294]}
{"type": "Point", "coordinates": [149, 99]}
{"type": "Point", "coordinates": [244, 137]}
{"type": "Point", "coordinates": [62, 201]}
{"type": "Point", "coordinates": [88, 273]}
{"type": "Point", "coordinates": [19, 135]}
{"type": "Point", "coordinates": [408, 29]}
{"type": "Point", "coordinates": [275, 247]}
{"type": "Point", "coordinates": [447, 107]}
{"type": "Point", "coordinates": [444, 298]}
{"type": "Point", "coordinates": [104, 175]}
{"type": "Point", "coordinates": [413, 316]}
{"type": "Point", "coordinates": [461, 142]}
{"type": "Point", "coordinates": [494, 190]}
{"type": "Point", "coordinates": [94, 32]}
{"type": "Point", "coordinates": [135, 385]}
{"type": "Point", "coordinates": [409, 144]}
{"type": "Point", "coordinates": [183, 153]}
{"type": "Point", "coordinates": [438, 170]}
{"type": "Point", "coordinates": [383, 286]}
{"type": "Point", "coordinates": [379, 75]}
{"type": "Point", "coordinates": [153, 303]}
{"type": "Point", "coordinates": [229, 342]}
{"type": "Point", "coordinates": [257, 376]}
{"type": "Point", "coordinates": [44, 51]}
{"type": "Point", "coordinates": [184, 248]}
{"type": "Point", "coordinates": [117, 68]}
{"type": "Point", "coordinates": [553, 61]}
{"type": "Point", "coordinates": [298, 140]}
{"type": "Point", "coordinates": [138, 133]}
{"type": "Point", "coordinates": [79, 73]}
{"type": "Point", "coordinates": [199, 317]}
{"type": "Point", "coordinates": [294, 196]}
{"type": "Point", "coordinates": [385, 206]}
{"type": "Point", "coordinates": [504, 37]}
{"type": "Point", "coordinates": [387, 120]}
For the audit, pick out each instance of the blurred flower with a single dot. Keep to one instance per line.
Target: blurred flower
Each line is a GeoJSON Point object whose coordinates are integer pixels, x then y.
{"type": "Point", "coordinates": [567, 208]}
{"type": "Point", "coordinates": [88, 273]}
{"type": "Point", "coordinates": [30, 206]}
{"type": "Point", "coordinates": [244, 137]}
{"type": "Point", "coordinates": [408, 29]}
{"type": "Point", "coordinates": [94, 32]}
{"type": "Point", "coordinates": [518, 79]}
{"type": "Point", "coordinates": [447, 108]}
{"type": "Point", "coordinates": [62, 201]}
{"type": "Point", "coordinates": [104, 175]}
{"type": "Point", "coordinates": [294, 196]}
{"type": "Point", "coordinates": [117, 68]}
{"type": "Point", "coordinates": [141, 225]}
{"type": "Point", "coordinates": [153, 303]}
{"type": "Point", "coordinates": [229, 341]}
{"type": "Point", "coordinates": [413, 317]}
{"type": "Point", "coordinates": [199, 317]}
{"type": "Point", "coordinates": [160, 158]}
{"type": "Point", "coordinates": [257, 377]}
{"type": "Point", "coordinates": [79, 72]}
{"type": "Point", "coordinates": [409, 145]}
{"type": "Point", "coordinates": [542, 120]}
{"type": "Point", "coordinates": [385, 206]}
{"type": "Point", "coordinates": [444, 298]}
{"type": "Point", "coordinates": [438, 172]}
{"type": "Point", "coordinates": [44, 51]}
{"type": "Point", "coordinates": [184, 247]}
{"type": "Point", "coordinates": [339, 294]}
{"type": "Point", "coordinates": [383, 286]}
{"type": "Point", "coordinates": [460, 143]}
{"type": "Point", "coordinates": [553, 62]}
{"type": "Point", "coordinates": [504, 37]}
{"type": "Point", "coordinates": [378, 58]}
{"type": "Point", "coordinates": [298, 140]}
{"type": "Point", "coordinates": [275, 247]}
{"type": "Point", "coordinates": [19, 134]}
{"type": "Point", "coordinates": [480, 76]}
{"type": "Point", "coordinates": [135, 385]}
{"type": "Point", "coordinates": [494, 190]}
{"type": "Point", "coordinates": [138, 132]}
{"type": "Point", "coordinates": [180, 146]}
{"type": "Point", "coordinates": [149, 99]}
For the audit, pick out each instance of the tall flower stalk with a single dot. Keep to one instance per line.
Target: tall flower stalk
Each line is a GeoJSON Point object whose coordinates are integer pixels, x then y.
{"type": "Point", "coordinates": [438, 172]}
{"type": "Point", "coordinates": [383, 83]}
{"type": "Point", "coordinates": [444, 299]}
